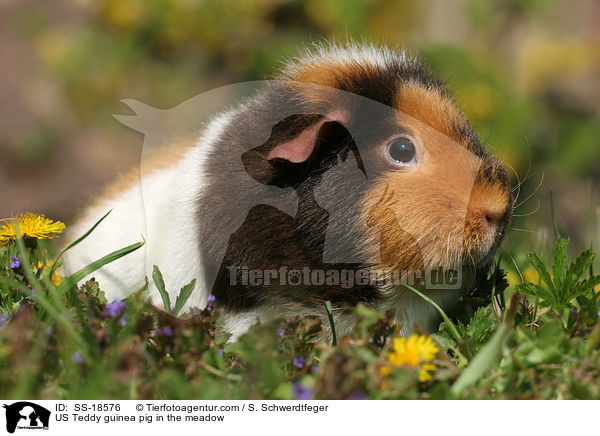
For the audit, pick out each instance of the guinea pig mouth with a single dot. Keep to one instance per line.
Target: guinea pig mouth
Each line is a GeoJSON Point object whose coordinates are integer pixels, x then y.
{"type": "Point", "coordinates": [484, 259]}
{"type": "Point", "coordinates": [482, 256]}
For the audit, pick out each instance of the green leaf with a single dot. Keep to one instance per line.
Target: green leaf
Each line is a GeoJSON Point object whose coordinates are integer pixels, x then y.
{"type": "Point", "coordinates": [579, 267]}
{"type": "Point", "coordinates": [481, 324]}
{"type": "Point", "coordinates": [584, 287]}
{"type": "Point", "coordinates": [541, 269]}
{"type": "Point", "coordinates": [184, 296]}
{"type": "Point", "coordinates": [160, 284]}
{"type": "Point", "coordinates": [536, 291]}
{"type": "Point", "coordinates": [560, 260]}
{"type": "Point", "coordinates": [73, 279]}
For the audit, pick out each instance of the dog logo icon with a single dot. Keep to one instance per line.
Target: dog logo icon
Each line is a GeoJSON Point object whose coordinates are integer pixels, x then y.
{"type": "Point", "coordinates": [26, 415]}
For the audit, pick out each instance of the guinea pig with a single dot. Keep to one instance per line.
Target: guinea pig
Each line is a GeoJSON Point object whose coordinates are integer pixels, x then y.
{"type": "Point", "coordinates": [347, 177]}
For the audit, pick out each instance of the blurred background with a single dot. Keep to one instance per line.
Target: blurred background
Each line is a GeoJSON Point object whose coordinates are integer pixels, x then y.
{"type": "Point", "coordinates": [526, 72]}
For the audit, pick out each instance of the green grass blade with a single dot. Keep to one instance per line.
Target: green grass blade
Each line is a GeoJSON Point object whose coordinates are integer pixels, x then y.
{"type": "Point", "coordinates": [451, 325]}
{"type": "Point", "coordinates": [73, 279]}
{"type": "Point", "coordinates": [554, 222]}
{"type": "Point", "coordinates": [55, 265]}
{"type": "Point", "coordinates": [184, 296]}
{"type": "Point", "coordinates": [329, 310]}
{"type": "Point", "coordinates": [487, 355]}
{"type": "Point", "coordinates": [160, 284]}
{"type": "Point", "coordinates": [493, 293]}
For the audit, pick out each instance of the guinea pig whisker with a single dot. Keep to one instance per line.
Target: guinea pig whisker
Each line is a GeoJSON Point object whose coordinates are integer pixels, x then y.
{"type": "Point", "coordinates": [522, 230]}
{"type": "Point", "coordinates": [517, 268]}
{"type": "Point", "coordinates": [448, 249]}
{"type": "Point", "coordinates": [534, 192]}
{"type": "Point", "coordinates": [472, 260]}
{"type": "Point", "coordinates": [539, 204]}
{"type": "Point", "coordinates": [528, 160]}
{"type": "Point", "coordinates": [527, 174]}
{"type": "Point", "coordinates": [517, 187]}
{"type": "Point", "coordinates": [422, 237]}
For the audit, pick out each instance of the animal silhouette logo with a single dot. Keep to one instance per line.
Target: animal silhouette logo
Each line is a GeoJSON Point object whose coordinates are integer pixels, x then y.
{"type": "Point", "coordinates": [334, 199]}
{"type": "Point", "coordinates": [26, 415]}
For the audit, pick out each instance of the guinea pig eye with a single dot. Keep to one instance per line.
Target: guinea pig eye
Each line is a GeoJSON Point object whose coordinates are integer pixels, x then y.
{"type": "Point", "coordinates": [403, 151]}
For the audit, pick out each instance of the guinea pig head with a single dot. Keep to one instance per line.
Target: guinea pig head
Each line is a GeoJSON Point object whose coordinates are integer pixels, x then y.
{"type": "Point", "coordinates": [437, 197]}
{"type": "Point", "coordinates": [441, 199]}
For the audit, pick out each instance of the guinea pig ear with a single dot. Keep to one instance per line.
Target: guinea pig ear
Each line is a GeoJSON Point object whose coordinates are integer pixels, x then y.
{"type": "Point", "coordinates": [300, 148]}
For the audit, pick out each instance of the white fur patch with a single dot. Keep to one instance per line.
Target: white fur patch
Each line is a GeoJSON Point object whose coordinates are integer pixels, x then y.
{"type": "Point", "coordinates": [162, 210]}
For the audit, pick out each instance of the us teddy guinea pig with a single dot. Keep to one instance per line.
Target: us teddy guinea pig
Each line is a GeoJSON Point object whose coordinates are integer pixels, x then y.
{"type": "Point", "coordinates": [352, 169]}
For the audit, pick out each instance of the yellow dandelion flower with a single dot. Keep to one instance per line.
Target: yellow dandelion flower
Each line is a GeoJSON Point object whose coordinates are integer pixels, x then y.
{"type": "Point", "coordinates": [57, 277]}
{"type": "Point", "coordinates": [414, 351]}
{"type": "Point", "coordinates": [30, 225]}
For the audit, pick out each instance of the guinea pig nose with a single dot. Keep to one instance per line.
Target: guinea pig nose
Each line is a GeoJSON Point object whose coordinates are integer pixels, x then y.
{"type": "Point", "coordinates": [492, 217]}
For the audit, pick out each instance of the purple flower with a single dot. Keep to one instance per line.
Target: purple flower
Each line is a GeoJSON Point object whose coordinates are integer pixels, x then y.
{"type": "Point", "coordinates": [114, 309]}
{"type": "Point", "coordinates": [221, 351]}
{"type": "Point", "coordinates": [211, 300]}
{"type": "Point", "coordinates": [33, 294]}
{"type": "Point", "coordinates": [123, 320]}
{"type": "Point", "coordinates": [15, 262]}
{"type": "Point", "coordinates": [281, 332]}
{"type": "Point", "coordinates": [299, 362]}
{"type": "Point", "coordinates": [301, 392]}
{"type": "Point", "coordinates": [4, 320]}
{"type": "Point", "coordinates": [77, 357]}
{"type": "Point", "coordinates": [357, 396]}
{"type": "Point", "coordinates": [49, 331]}
{"type": "Point", "coordinates": [315, 368]}
{"type": "Point", "coordinates": [166, 331]}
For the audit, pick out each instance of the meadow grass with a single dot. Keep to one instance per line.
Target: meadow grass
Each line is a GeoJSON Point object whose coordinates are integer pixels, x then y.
{"type": "Point", "coordinates": [533, 336]}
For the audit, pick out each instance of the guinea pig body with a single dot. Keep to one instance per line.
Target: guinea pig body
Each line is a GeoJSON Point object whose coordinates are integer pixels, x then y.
{"type": "Point", "coordinates": [352, 168]}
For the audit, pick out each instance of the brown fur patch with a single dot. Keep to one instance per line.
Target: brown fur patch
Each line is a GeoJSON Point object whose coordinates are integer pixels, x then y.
{"type": "Point", "coordinates": [318, 82]}
{"type": "Point", "coordinates": [429, 107]}
{"type": "Point", "coordinates": [425, 217]}
{"type": "Point", "coordinates": [319, 74]}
